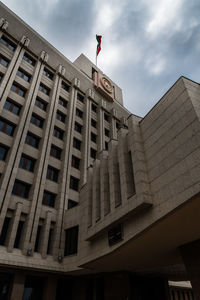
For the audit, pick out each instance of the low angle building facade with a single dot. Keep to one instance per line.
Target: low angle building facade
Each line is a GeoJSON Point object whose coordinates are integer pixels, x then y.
{"type": "Point", "coordinates": [95, 202]}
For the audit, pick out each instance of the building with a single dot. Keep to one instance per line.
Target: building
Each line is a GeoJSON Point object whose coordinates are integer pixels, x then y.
{"type": "Point", "coordinates": [96, 203]}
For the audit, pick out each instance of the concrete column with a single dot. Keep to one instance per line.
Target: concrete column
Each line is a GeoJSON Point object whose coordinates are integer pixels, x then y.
{"type": "Point", "coordinates": [96, 192]}
{"type": "Point", "coordinates": [50, 288]}
{"type": "Point", "coordinates": [18, 286]}
{"type": "Point", "coordinates": [89, 196]}
{"type": "Point", "coordinates": [100, 128]}
{"type": "Point", "coordinates": [104, 184]}
{"type": "Point", "coordinates": [14, 226]}
{"type": "Point", "coordinates": [86, 141]}
{"type": "Point", "coordinates": [191, 258]}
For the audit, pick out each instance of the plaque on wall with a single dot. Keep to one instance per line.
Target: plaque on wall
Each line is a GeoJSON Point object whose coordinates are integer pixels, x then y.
{"type": "Point", "coordinates": [103, 85]}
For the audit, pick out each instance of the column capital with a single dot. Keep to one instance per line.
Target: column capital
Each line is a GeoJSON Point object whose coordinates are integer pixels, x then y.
{"type": "Point", "coordinates": [3, 23]}
{"type": "Point", "coordinates": [25, 41]}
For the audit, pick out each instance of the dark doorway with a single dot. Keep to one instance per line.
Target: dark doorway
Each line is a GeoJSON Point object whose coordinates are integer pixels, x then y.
{"type": "Point", "coordinates": [33, 288]}
{"type": "Point", "coordinates": [5, 283]}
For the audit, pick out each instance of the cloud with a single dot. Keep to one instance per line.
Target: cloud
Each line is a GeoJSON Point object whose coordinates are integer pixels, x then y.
{"type": "Point", "coordinates": [146, 45]}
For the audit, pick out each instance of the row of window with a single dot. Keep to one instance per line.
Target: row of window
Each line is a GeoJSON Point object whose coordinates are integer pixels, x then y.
{"type": "Point", "coordinates": [22, 189]}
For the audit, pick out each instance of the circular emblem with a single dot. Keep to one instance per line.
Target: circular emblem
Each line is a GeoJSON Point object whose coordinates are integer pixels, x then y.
{"type": "Point", "coordinates": [106, 85]}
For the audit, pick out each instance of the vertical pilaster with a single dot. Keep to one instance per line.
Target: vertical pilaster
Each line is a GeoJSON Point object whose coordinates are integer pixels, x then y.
{"type": "Point", "coordinates": [104, 184]}
{"type": "Point", "coordinates": [18, 286]}
{"type": "Point", "coordinates": [96, 192]}
{"type": "Point", "coordinates": [14, 226]}
{"type": "Point", "coordinates": [45, 234]}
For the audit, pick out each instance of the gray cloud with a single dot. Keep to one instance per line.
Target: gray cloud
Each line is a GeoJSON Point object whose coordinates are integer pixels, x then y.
{"type": "Point", "coordinates": [158, 50]}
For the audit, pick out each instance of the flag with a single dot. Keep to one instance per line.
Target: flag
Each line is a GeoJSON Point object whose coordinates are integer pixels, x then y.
{"type": "Point", "coordinates": [98, 37]}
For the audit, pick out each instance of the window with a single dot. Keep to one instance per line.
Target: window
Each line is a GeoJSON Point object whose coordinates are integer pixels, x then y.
{"type": "Point", "coordinates": [48, 199]}
{"type": "Point", "coordinates": [41, 104]}
{"type": "Point", "coordinates": [24, 75]}
{"type": "Point", "coordinates": [52, 174]}
{"type": "Point", "coordinates": [55, 152]}
{"type": "Point", "coordinates": [37, 121]}
{"type": "Point", "coordinates": [3, 152]}
{"type": "Point", "coordinates": [78, 127]}
{"type": "Point", "coordinates": [62, 102]}
{"type": "Point", "coordinates": [60, 116]}
{"type": "Point", "coordinates": [47, 73]}
{"type": "Point", "coordinates": [12, 107]}
{"type": "Point", "coordinates": [18, 234]}
{"type": "Point", "coordinates": [18, 90]}
{"type": "Point", "coordinates": [58, 133]}
{"type": "Point", "coordinates": [4, 231]}
{"type": "Point", "coordinates": [21, 189]}
{"type": "Point", "coordinates": [71, 204]}
{"type": "Point", "coordinates": [1, 77]}
{"type": "Point", "coordinates": [50, 241]}
{"type": "Point", "coordinates": [106, 117]}
{"type": "Point", "coordinates": [93, 137]}
{"type": "Point", "coordinates": [37, 241]}
{"type": "Point", "coordinates": [27, 163]}
{"type": "Point", "coordinates": [65, 86]}
{"type": "Point", "coordinates": [77, 144]}
{"type": "Point", "coordinates": [94, 123]}
{"type": "Point", "coordinates": [80, 98]}
{"type": "Point", "coordinates": [74, 183]}
{"type": "Point", "coordinates": [94, 107]}
{"type": "Point", "coordinates": [7, 43]}
{"type": "Point", "coordinates": [29, 59]}
{"type": "Point", "coordinates": [115, 235]}
{"type": "Point", "coordinates": [93, 153]}
{"type": "Point", "coordinates": [107, 132]}
{"type": "Point", "coordinates": [79, 113]}
{"type": "Point", "coordinates": [117, 125]}
{"type": "Point", "coordinates": [7, 127]}
{"type": "Point", "coordinates": [75, 162]}
{"type": "Point", "coordinates": [106, 146]}
{"type": "Point", "coordinates": [44, 89]}
{"type": "Point", "coordinates": [4, 61]}
{"type": "Point", "coordinates": [71, 241]}
{"type": "Point", "coordinates": [32, 140]}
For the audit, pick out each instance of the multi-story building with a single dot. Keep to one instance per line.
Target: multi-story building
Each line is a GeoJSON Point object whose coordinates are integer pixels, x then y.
{"type": "Point", "coordinates": [95, 202]}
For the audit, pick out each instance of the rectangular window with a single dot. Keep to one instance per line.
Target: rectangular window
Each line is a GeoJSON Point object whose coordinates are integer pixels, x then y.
{"type": "Point", "coordinates": [62, 102]}
{"type": "Point", "coordinates": [3, 152]}
{"type": "Point", "coordinates": [44, 89]}
{"type": "Point", "coordinates": [94, 123]}
{"type": "Point", "coordinates": [93, 137]}
{"type": "Point", "coordinates": [41, 104]}
{"type": "Point", "coordinates": [4, 231]}
{"type": "Point", "coordinates": [71, 241]}
{"type": "Point", "coordinates": [50, 240]}
{"type": "Point", "coordinates": [27, 163]}
{"type": "Point", "coordinates": [21, 73]}
{"type": "Point", "coordinates": [77, 144]}
{"type": "Point", "coordinates": [93, 153]}
{"type": "Point", "coordinates": [78, 127]}
{"type": "Point", "coordinates": [4, 61]}
{"type": "Point", "coordinates": [52, 174]}
{"type": "Point", "coordinates": [115, 235]}
{"type": "Point", "coordinates": [75, 162]}
{"type": "Point", "coordinates": [59, 133]}
{"type": "Point", "coordinates": [71, 204]}
{"type": "Point", "coordinates": [107, 132]}
{"type": "Point", "coordinates": [29, 59]}
{"type": "Point", "coordinates": [106, 146]}
{"type": "Point", "coordinates": [37, 241]}
{"type": "Point", "coordinates": [18, 90]}
{"type": "Point", "coordinates": [94, 108]}
{"type": "Point", "coordinates": [65, 86]}
{"type": "Point", "coordinates": [21, 189]}
{"type": "Point", "coordinates": [1, 77]}
{"type": "Point", "coordinates": [5, 41]}
{"type": "Point", "coordinates": [12, 107]}
{"type": "Point", "coordinates": [48, 199]}
{"type": "Point", "coordinates": [48, 74]}
{"type": "Point", "coordinates": [37, 121]}
{"type": "Point", "coordinates": [80, 98]}
{"type": "Point", "coordinates": [106, 117]}
{"type": "Point", "coordinates": [7, 127]}
{"type": "Point", "coordinates": [55, 152]}
{"type": "Point", "coordinates": [60, 116]}
{"type": "Point", "coordinates": [74, 183]}
{"type": "Point", "coordinates": [117, 125]}
{"type": "Point", "coordinates": [79, 113]}
{"type": "Point", "coordinates": [19, 235]}
{"type": "Point", "coordinates": [32, 140]}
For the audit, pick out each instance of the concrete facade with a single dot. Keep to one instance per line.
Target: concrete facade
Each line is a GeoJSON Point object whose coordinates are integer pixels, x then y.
{"type": "Point", "coordinates": [95, 202]}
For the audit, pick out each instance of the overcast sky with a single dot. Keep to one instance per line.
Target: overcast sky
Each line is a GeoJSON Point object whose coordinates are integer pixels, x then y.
{"type": "Point", "coordinates": [146, 45]}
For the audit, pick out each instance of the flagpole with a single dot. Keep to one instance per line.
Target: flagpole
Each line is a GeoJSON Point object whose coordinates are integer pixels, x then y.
{"type": "Point", "coordinates": [96, 59]}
